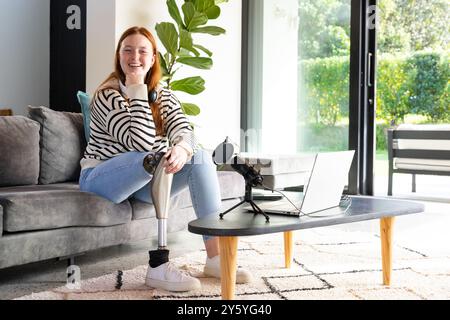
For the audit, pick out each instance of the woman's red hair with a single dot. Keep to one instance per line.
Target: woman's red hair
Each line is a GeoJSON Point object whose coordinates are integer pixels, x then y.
{"type": "Point", "coordinates": [153, 76]}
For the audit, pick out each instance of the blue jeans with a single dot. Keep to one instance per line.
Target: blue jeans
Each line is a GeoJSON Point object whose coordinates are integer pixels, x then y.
{"type": "Point", "coordinates": [124, 177]}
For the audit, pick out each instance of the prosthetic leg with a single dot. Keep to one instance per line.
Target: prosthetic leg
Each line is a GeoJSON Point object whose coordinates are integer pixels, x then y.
{"type": "Point", "coordinates": [161, 185]}
{"type": "Point", "coordinates": [159, 274]}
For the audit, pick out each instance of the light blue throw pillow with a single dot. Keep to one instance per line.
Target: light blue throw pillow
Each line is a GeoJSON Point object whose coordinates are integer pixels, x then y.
{"type": "Point", "coordinates": [85, 101]}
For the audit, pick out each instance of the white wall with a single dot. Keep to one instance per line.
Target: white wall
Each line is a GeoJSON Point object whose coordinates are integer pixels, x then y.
{"type": "Point", "coordinates": [220, 102]}
{"type": "Point", "coordinates": [24, 54]}
{"type": "Point", "coordinates": [145, 13]}
{"type": "Point", "coordinates": [100, 42]}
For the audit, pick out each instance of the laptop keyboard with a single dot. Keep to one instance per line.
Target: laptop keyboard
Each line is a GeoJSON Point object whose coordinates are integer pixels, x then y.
{"type": "Point", "coordinates": [281, 212]}
{"type": "Point", "coordinates": [281, 207]}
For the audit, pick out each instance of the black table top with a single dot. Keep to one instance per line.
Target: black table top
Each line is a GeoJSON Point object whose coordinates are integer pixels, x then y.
{"type": "Point", "coordinates": [240, 222]}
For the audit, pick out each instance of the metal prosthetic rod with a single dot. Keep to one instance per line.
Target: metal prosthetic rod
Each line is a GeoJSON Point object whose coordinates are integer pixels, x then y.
{"type": "Point", "coordinates": [161, 185]}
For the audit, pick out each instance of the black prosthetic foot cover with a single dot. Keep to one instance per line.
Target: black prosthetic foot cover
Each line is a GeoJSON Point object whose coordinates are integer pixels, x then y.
{"type": "Point", "coordinates": [158, 257]}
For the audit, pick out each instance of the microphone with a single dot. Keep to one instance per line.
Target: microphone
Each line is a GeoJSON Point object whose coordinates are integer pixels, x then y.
{"type": "Point", "coordinates": [227, 153]}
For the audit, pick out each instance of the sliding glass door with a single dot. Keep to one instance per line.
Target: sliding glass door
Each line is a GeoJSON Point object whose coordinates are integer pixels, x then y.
{"type": "Point", "coordinates": [323, 75]}
{"type": "Point", "coordinates": [308, 80]}
{"type": "Point", "coordinates": [298, 72]}
{"type": "Point", "coordinates": [412, 81]}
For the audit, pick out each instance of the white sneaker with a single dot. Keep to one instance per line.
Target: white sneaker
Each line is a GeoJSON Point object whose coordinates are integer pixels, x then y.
{"type": "Point", "coordinates": [212, 269]}
{"type": "Point", "coordinates": [169, 278]}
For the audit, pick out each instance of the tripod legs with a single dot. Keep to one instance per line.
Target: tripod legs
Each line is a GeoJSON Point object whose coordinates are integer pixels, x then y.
{"type": "Point", "coordinates": [231, 209]}
{"type": "Point", "coordinates": [256, 209]}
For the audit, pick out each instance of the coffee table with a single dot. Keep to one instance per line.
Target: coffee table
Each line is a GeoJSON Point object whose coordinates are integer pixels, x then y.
{"type": "Point", "coordinates": [240, 222]}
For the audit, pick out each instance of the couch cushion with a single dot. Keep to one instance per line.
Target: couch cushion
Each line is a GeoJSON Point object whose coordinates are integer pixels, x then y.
{"type": "Point", "coordinates": [270, 165]}
{"type": "Point", "coordinates": [56, 206]}
{"type": "Point", "coordinates": [62, 144]}
{"type": "Point", "coordinates": [19, 151]}
{"type": "Point", "coordinates": [279, 171]}
{"type": "Point", "coordinates": [85, 101]}
{"type": "Point", "coordinates": [25, 247]}
{"type": "Point", "coordinates": [422, 164]}
{"type": "Point", "coordinates": [423, 144]}
{"type": "Point", "coordinates": [232, 186]}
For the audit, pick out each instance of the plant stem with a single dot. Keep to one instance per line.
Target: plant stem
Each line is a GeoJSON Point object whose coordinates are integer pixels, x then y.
{"type": "Point", "coordinates": [169, 69]}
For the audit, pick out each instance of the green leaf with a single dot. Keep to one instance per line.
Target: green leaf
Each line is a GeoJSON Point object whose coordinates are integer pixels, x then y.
{"type": "Point", "coordinates": [197, 62]}
{"type": "Point", "coordinates": [175, 12]}
{"type": "Point", "coordinates": [163, 64]}
{"type": "Point", "coordinates": [212, 30]}
{"type": "Point", "coordinates": [220, 1]}
{"type": "Point", "coordinates": [203, 5]}
{"type": "Point", "coordinates": [193, 18]}
{"type": "Point", "coordinates": [195, 52]}
{"type": "Point", "coordinates": [169, 36]}
{"type": "Point", "coordinates": [190, 109]}
{"type": "Point", "coordinates": [167, 57]}
{"type": "Point", "coordinates": [213, 12]}
{"type": "Point", "coordinates": [165, 78]}
{"type": "Point", "coordinates": [185, 39]}
{"type": "Point", "coordinates": [207, 7]}
{"type": "Point", "coordinates": [193, 85]}
{"type": "Point", "coordinates": [185, 53]}
{"type": "Point", "coordinates": [209, 53]}
{"type": "Point", "coordinates": [187, 43]}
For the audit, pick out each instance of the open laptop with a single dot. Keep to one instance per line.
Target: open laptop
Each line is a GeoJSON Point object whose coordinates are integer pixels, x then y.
{"type": "Point", "coordinates": [327, 180]}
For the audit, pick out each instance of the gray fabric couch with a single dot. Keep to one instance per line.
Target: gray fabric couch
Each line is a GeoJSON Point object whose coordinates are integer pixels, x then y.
{"type": "Point", "coordinates": [44, 215]}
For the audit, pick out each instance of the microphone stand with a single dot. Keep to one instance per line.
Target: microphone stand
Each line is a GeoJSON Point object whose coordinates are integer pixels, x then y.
{"type": "Point", "coordinates": [248, 198]}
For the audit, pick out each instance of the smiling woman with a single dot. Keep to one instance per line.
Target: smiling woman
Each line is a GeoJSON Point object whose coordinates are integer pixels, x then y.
{"type": "Point", "coordinates": [131, 134]}
{"type": "Point", "coordinates": [137, 56]}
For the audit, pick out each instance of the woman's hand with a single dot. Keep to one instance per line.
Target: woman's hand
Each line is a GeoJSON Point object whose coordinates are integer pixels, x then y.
{"type": "Point", "coordinates": [176, 158]}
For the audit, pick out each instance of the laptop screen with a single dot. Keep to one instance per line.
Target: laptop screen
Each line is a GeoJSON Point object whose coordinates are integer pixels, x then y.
{"type": "Point", "coordinates": [329, 176]}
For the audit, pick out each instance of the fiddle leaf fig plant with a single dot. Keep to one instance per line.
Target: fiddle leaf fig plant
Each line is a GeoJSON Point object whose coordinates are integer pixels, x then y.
{"type": "Point", "coordinates": [181, 48]}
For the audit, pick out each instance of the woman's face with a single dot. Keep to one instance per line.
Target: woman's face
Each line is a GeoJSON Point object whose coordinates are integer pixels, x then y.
{"type": "Point", "coordinates": [136, 55]}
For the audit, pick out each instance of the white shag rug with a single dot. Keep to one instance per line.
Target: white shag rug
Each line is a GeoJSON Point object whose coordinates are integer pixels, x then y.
{"type": "Point", "coordinates": [328, 264]}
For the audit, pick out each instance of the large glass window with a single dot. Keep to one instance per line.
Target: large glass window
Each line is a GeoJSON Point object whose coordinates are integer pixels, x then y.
{"type": "Point", "coordinates": [299, 71]}
{"type": "Point", "coordinates": [412, 79]}
{"type": "Point", "coordinates": [272, 83]}
{"type": "Point", "coordinates": [323, 76]}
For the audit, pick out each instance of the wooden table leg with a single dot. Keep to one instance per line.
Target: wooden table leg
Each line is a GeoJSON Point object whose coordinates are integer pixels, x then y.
{"type": "Point", "coordinates": [228, 253]}
{"type": "Point", "coordinates": [386, 225]}
{"type": "Point", "coordinates": [287, 249]}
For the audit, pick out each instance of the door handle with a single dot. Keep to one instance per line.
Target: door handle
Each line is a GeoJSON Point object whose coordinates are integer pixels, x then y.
{"type": "Point", "coordinates": [369, 69]}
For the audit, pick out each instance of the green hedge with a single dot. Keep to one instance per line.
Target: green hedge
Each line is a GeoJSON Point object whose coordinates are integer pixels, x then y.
{"type": "Point", "coordinates": [393, 89]}
{"type": "Point", "coordinates": [324, 89]}
{"type": "Point", "coordinates": [429, 74]}
{"type": "Point", "coordinates": [417, 84]}
{"type": "Point", "coordinates": [381, 136]}
{"type": "Point", "coordinates": [321, 138]}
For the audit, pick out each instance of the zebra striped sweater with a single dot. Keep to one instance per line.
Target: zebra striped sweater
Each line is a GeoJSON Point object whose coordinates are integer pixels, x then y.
{"type": "Point", "coordinates": [123, 122]}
